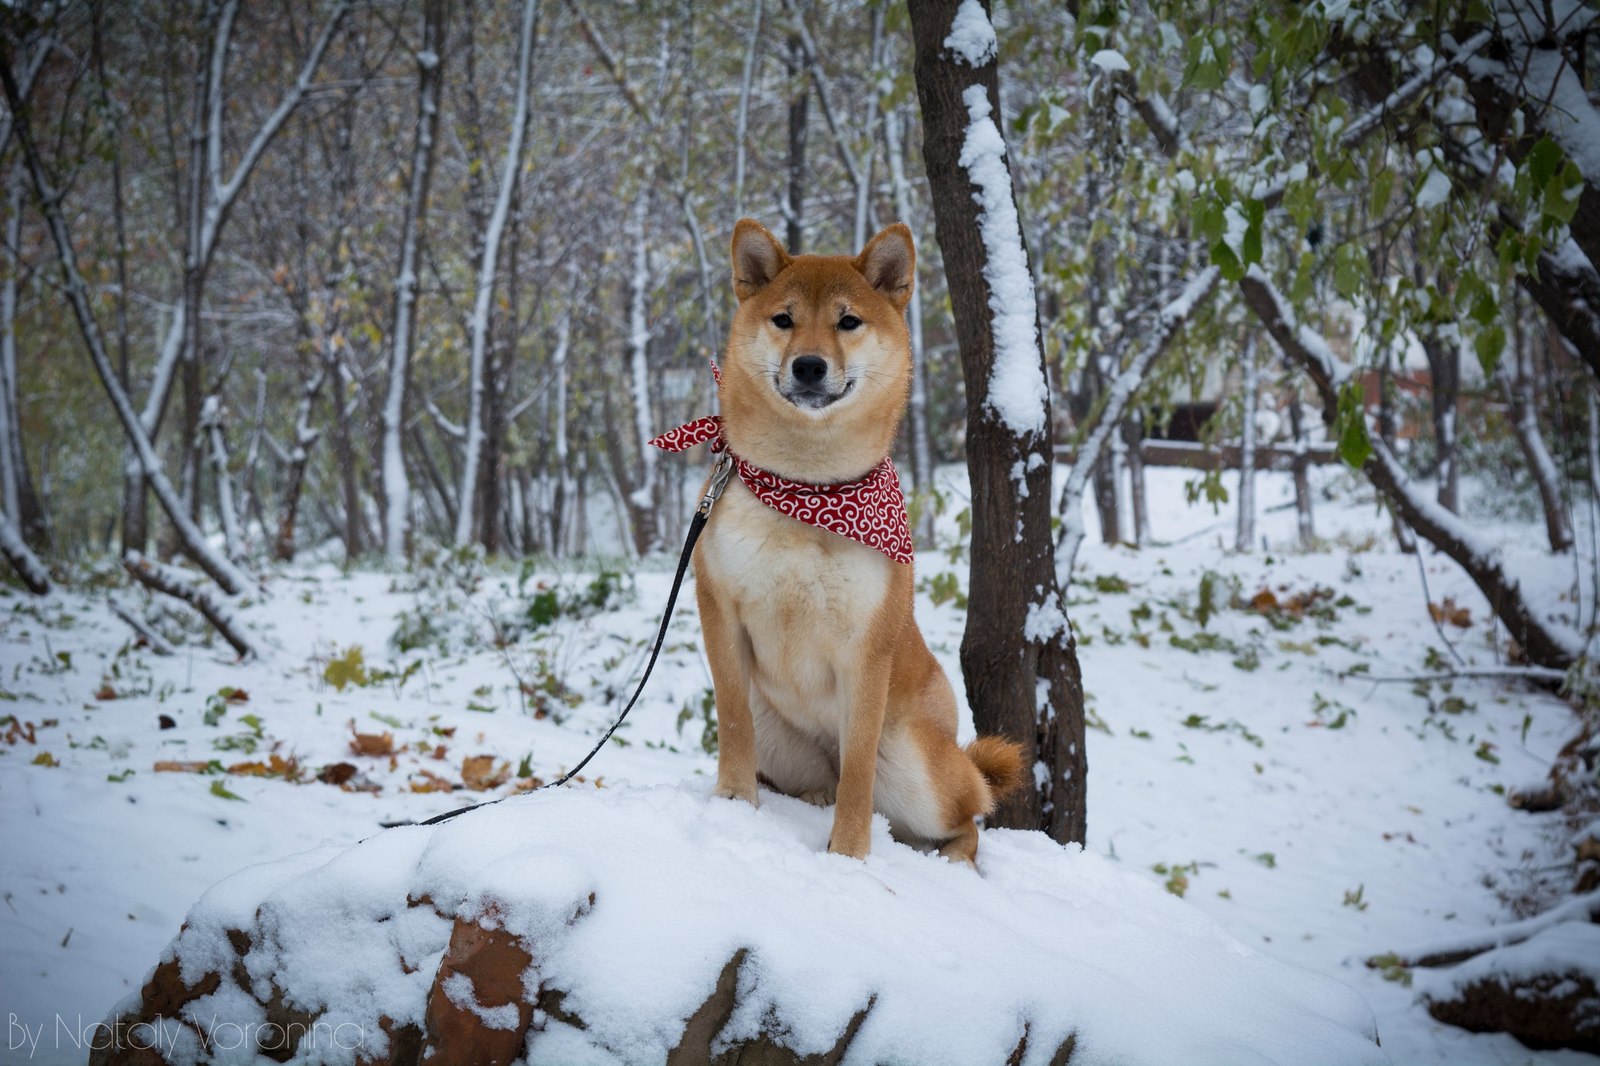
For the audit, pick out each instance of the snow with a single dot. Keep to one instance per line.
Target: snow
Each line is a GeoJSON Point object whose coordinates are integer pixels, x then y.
{"type": "Point", "coordinates": [1568, 948]}
{"type": "Point", "coordinates": [1435, 187]}
{"type": "Point", "coordinates": [1018, 394]}
{"type": "Point", "coordinates": [1110, 60]}
{"type": "Point", "coordinates": [100, 874]}
{"type": "Point", "coordinates": [971, 37]}
{"type": "Point", "coordinates": [684, 879]}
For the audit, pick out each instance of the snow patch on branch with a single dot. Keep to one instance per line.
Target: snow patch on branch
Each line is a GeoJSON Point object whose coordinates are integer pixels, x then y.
{"type": "Point", "coordinates": [1017, 394]}
{"type": "Point", "coordinates": [972, 38]}
{"type": "Point", "coordinates": [1110, 60]}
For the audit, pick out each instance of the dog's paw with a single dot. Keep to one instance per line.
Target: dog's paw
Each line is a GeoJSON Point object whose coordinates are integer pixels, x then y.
{"type": "Point", "coordinates": [820, 797]}
{"type": "Point", "coordinates": [739, 792]}
{"type": "Point", "coordinates": [855, 849]}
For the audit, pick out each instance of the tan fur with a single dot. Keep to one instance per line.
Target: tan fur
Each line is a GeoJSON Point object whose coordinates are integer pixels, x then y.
{"type": "Point", "coordinates": [825, 688]}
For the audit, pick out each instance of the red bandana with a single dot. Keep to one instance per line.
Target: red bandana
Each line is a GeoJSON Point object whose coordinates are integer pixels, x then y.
{"type": "Point", "coordinates": [870, 510]}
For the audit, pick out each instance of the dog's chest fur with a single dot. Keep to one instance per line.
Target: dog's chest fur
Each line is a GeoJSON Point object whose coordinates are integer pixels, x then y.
{"type": "Point", "coordinates": [806, 599]}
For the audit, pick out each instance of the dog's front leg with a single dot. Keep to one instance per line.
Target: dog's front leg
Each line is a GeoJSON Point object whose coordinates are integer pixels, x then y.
{"type": "Point", "coordinates": [730, 674]}
{"type": "Point", "coordinates": [858, 763]}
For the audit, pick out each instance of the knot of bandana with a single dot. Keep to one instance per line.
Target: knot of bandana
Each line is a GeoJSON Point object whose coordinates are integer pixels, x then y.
{"type": "Point", "coordinates": [870, 510]}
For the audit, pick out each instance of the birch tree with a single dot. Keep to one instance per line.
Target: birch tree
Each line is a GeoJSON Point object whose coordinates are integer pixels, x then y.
{"type": "Point", "coordinates": [396, 485]}
{"type": "Point", "coordinates": [1018, 655]}
{"type": "Point", "coordinates": [511, 175]}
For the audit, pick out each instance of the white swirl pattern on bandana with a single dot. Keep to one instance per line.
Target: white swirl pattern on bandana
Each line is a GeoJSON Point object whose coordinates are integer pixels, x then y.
{"type": "Point", "coordinates": [870, 510]}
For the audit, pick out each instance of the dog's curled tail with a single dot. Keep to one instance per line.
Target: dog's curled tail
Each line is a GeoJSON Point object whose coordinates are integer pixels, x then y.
{"type": "Point", "coordinates": [1002, 764]}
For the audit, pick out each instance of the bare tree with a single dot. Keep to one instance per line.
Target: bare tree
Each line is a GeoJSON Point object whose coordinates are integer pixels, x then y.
{"type": "Point", "coordinates": [511, 175]}
{"type": "Point", "coordinates": [396, 486]}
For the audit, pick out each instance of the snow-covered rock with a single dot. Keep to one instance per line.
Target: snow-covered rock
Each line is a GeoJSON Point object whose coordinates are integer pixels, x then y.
{"type": "Point", "coordinates": [664, 925]}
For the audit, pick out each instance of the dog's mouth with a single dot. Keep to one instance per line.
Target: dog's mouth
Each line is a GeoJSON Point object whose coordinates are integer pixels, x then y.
{"type": "Point", "coordinates": [813, 397]}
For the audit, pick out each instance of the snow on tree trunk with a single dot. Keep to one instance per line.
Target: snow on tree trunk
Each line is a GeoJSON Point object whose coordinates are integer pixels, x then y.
{"type": "Point", "coordinates": [561, 491]}
{"type": "Point", "coordinates": [1404, 538]}
{"type": "Point", "coordinates": [1300, 470]}
{"type": "Point", "coordinates": [1138, 499]}
{"type": "Point", "coordinates": [921, 458]}
{"type": "Point", "coordinates": [1018, 655]}
{"type": "Point", "coordinates": [487, 270]}
{"type": "Point", "coordinates": [1517, 387]}
{"type": "Point", "coordinates": [1444, 363]}
{"type": "Point", "coordinates": [396, 487]}
{"type": "Point", "coordinates": [17, 495]}
{"type": "Point", "coordinates": [1544, 641]}
{"type": "Point", "coordinates": [1246, 532]}
{"type": "Point", "coordinates": [305, 438]}
{"type": "Point", "coordinates": [642, 499]}
{"type": "Point", "coordinates": [21, 557]}
{"type": "Point", "coordinates": [211, 424]}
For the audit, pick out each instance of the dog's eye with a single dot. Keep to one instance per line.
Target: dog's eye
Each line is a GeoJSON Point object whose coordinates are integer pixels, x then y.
{"type": "Point", "coordinates": [849, 322]}
{"type": "Point", "coordinates": [782, 320]}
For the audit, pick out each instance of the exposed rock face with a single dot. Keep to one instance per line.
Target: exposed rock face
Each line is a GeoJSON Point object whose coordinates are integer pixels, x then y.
{"type": "Point", "coordinates": [667, 926]}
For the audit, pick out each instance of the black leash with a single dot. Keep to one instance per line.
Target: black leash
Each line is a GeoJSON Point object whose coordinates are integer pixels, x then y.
{"type": "Point", "coordinates": [719, 481]}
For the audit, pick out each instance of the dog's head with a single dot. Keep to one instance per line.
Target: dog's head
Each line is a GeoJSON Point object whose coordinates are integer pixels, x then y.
{"type": "Point", "coordinates": [818, 366]}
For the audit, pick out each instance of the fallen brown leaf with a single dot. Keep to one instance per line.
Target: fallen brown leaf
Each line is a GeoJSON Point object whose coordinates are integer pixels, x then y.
{"type": "Point", "coordinates": [336, 773]}
{"type": "Point", "coordinates": [431, 782]}
{"type": "Point", "coordinates": [372, 743]}
{"type": "Point", "coordinates": [478, 772]}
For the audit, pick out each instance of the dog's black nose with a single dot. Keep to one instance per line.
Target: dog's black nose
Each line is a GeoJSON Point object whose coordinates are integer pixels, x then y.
{"type": "Point", "coordinates": [809, 370]}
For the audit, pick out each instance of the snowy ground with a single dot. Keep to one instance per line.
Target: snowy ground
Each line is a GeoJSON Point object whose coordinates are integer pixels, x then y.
{"type": "Point", "coordinates": [1325, 818]}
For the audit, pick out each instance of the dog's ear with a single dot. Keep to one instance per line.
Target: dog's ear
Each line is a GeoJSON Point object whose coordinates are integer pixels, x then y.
{"type": "Point", "coordinates": [889, 263]}
{"type": "Point", "coordinates": [757, 258]}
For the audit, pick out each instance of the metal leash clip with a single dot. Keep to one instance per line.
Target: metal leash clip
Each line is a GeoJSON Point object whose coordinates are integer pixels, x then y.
{"type": "Point", "coordinates": [719, 481]}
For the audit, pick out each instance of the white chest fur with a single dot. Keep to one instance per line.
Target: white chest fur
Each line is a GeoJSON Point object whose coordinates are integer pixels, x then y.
{"type": "Point", "coordinates": [803, 596]}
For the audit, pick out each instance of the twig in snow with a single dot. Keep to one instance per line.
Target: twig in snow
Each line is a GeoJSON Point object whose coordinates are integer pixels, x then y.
{"type": "Point", "coordinates": [1537, 674]}
{"type": "Point", "coordinates": [173, 582]}
{"type": "Point", "coordinates": [1438, 622]}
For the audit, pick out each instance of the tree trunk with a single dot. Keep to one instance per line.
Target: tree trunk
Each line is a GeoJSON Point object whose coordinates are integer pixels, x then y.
{"type": "Point", "coordinates": [642, 497]}
{"type": "Point", "coordinates": [1138, 498]}
{"type": "Point", "coordinates": [396, 488]}
{"type": "Point", "coordinates": [1404, 538]}
{"type": "Point", "coordinates": [1300, 470]}
{"type": "Point", "coordinates": [483, 303]}
{"type": "Point", "coordinates": [794, 206]}
{"type": "Point", "coordinates": [1246, 532]}
{"type": "Point", "coordinates": [921, 450]}
{"type": "Point", "coordinates": [1444, 363]}
{"type": "Point", "coordinates": [17, 496]}
{"type": "Point", "coordinates": [1018, 655]}
{"type": "Point", "coordinates": [1516, 385]}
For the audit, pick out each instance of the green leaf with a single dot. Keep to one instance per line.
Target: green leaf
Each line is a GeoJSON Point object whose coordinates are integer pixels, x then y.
{"type": "Point", "coordinates": [1355, 446]}
{"type": "Point", "coordinates": [348, 669]}
{"type": "Point", "coordinates": [1226, 262]}
{"type": "Point", "coordinates": [1382, 190]}
{"type": "Point", "coordinates": [1489, 344]}
{"type": "Point", "coordinates": [1349, 271]}
{"type": "Point", "coordinates": [219, 790]}
{"type": "Point", "coordinates": [1543, 161]}
{"type": "Point", "coordinates": [1560, 199]}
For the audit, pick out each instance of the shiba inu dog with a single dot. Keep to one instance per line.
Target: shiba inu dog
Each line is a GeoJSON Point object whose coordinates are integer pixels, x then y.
{"type": "Point", "coordinates": [825, 688]}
